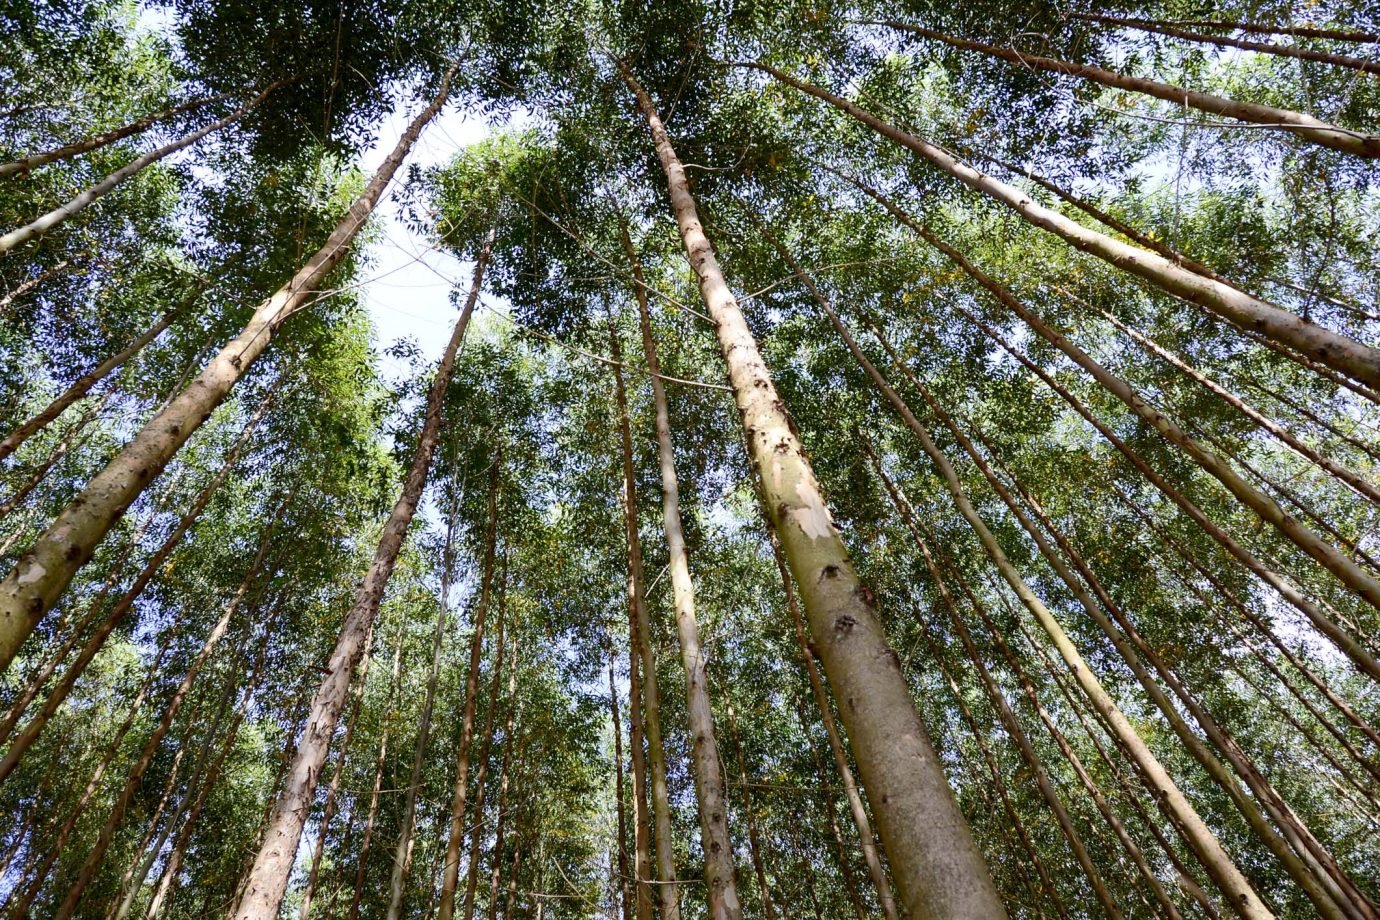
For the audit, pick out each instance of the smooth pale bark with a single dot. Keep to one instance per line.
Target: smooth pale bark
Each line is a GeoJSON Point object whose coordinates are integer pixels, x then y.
{"type": "Point", "coordinates": [1351, 478]}
{"type": "Point", "coordinates": [83, 384]}
{"type": "Point", "coordinates": [450, 878]}
{"type": "Point", "coordinates": [938, 870]}
{"type": "Point", "coordinates": [1174, 31]}
{"type": "Point", "coordinates": [640, 627]}
{"type": "Point", "coordinates": [96, 641]}
{"type": "Point", "coordinates": [27, 164]}
{"type": "Point", "coordinates": [1249, 313]}
{"type": "Point", "coordinates": [90, 196]}
{"type": "Point", "coordinates": [96, 854]}
{"type": "Point", "coordinates": [759, 868]}
{"type": "Point", "coordinates": [866, 838]}
{"type": "Point", "coordinates": [1005, 714]}
{"type": "Point", "coordinates": [333, 789]}
{"type": "Point", "coordinates": [362, 853]}
{"type": "Point", "coordinates": [1297, 123]}
{"type": "Point", "coordinates": [42, 573]}
{"type": "Point", "coordinates": [710, 795]}
{"type": "Point", "coordinates": [1199, 836]}
{"type": "Point", "coordinates": [485, 751]}
{"type": "Point", "coordinates": [268, 878]}
{"type": "Point", "coordinates": [1269, 511]}
{"type": "Point", "coordinates": [620, 791]}
{"type": "Point", "coordinates": [402, 855]}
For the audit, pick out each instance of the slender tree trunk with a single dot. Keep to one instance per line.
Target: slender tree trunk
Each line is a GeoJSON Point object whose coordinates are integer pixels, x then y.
{"type": "Point", "coordinates": [269, 877]}
{"type": "Point", "coordinates": [719, 872]}
{"type": "Point", "coordinates": [1222, 41]}
{"type": "Point", "coordinates": [96, 641]}
{"type": "Point", "coordinates": [1304, 412]}
{"type": "Point", "coordinates": [1204, 843]}
{"type": "Point", "coordinates": [73, 437]}
{"type": "Point", "coordinates": [759, 868]}
{"type": "Point", "coordinates": [1304, 126]}
{"type": "Point", "coordinates": [96, 855]}
{"type": "Point", "coordinates": [81, 202]}
{"type": "Point", "coordinates": [504, 778]}
{"type": "Point", "coordinates": [1332, 349]}
{"type": "Point", "coordinates": [620, 792]}
{"type": "Point", "coordinates": [640, 639]}
{"type": "Point", "coordinates": [1005, 715]}
{"type": "Point", "coordinates": [402, 857]}
{"type": "Point", "coordinates": [485, 752]}
{"type": "Point", "coordinates": [25, 165]}
{"type": "Point", "coordinates": [827, 806]}
{"type": "Point", "coordinates": [361, 869]}
{"type": "Point", "coordinates": [1340, 35]}
{"type": "Point", "coordinates": [83, 384]}
{"type": "Point", "coordinates": [938, 869]}
{"type": "Point", "coordinates": [451, 875]}
{"type": "Point", "coordinates": [333, 790]}
{"type": "Point", "coordinates": [43, 572]}
{"type": "Point", "coordinates": [29, 284]}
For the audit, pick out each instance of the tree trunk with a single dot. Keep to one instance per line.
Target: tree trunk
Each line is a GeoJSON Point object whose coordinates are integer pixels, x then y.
{"type": "Point", "coordinates": [620, 793]}
{"type": "Point", "coordinates": [1339, 35]}
{"type": "Point", "coordinates": [269, 877]}
{"type": "Point", "coordinates": [503, 786]}
{"type": "Point", "coordinates": [30, 284]}
{"type": "Point", "coordinates": [96, 641]}
{"type": "Point", "coordinates": [81, 202]}
{"type": "Point", "coordinates": [1304, 126]}
{"type": "Point", "coordinates": [1332, 349]}
{"type": "Point", "coordinates": [1204, 843]}
{"type": "Point", "coordinates": [1222, 41]}
{"type": "Point", "coordinates": [759, 868]}
{"type": "Point", "coordinates": [451, 875]}
{"type": "Point", "coordinates": [96, 854]}
{"type": "Point", "coordinates": [485, 751]}
{"type": "Point", "coordinates": [827, 805]}
{"type": "Point", "coordinates": [939, 871]}
{"type": "Point", "coordinates": [83, 384]}
{"type": "Point", "coordinates": [719, 872]}
{"type": "Point", "coordinates": [402, 857]}
{"type": "Point", "coordinates": [25, 165]}
{"type": "Point", "coordinates": [42, 573]}
{"type": "Point", "coordinates": [640, 649]}
{"type": "Point", "coordinates": [73, 437]}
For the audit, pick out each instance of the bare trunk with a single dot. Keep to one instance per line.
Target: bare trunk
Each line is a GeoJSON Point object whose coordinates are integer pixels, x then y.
{"type": "Point", "coordinates": [450, 878]}
{"type": "Point", "coordinates": [504, 780]}
{"type": "Point", "coordinates": [29, 284]}
{"type": "Point", "coordinates": [639, 624]}
{"type": "Point", "coordinates": [73, 437]}
{"type": "Point", "coordinates": [84, 200]}
{"type": "Point", "coordinates": [24, 165]}
{"type": "Point", "coordinates": [42, 573]}
{"type": "Point", "coordinates": [759, 868]}
{"type": "Point", "coordinates": [1222, 41]}
{"type": "Point", "coordinates": [485, 751]}
{"type": "Point", "coordinates": [362, 856]}
{"type": "Point", "coordinates": [939, 871]}
{"type": "Point", "coordinates": [719, 871]}
{"type": "Point", "coordinates": [620, 793]}
{"type": "Point", "coordinates": [826, 804]}
{"type": "Point", "coordinates": [1247, 312]}
{"type": "Point", "coordinates": [1339, 35]}
{"type": "Point", "coordinates": [269, 877]}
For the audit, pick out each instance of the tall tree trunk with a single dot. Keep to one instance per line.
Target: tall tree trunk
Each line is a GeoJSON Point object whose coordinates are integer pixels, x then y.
{"type": "Point", "coordinates": [1304, 126]}
{"type": "Point", "coordinates": [450, 878]}
{"type": "Point", "coordinates": [1339, 35]}
{"type": "Point", "coordinates": [620, 795]}
{"type": "Point", "coordinates": [826, 804]}
{"type": "Point", "coordinates": [1222, 41]}
{"type": "Point", "coordinates": [96, 641]}
{"type": "Point", "coordinates": [83, 384]}
{"type": "Point", "coordinates": [759, 868]}
{"type": "Point", "coordinates": [1332, 349]}
{"type": "Point", "coordinates": [96, 855]}
{"type": "Point", "coordinates": [361, 870]}
{"type": "Point", "coordinates": [1199, 836]}
{"type": "Point", "coordinates": [485, 752]}
{"type": "Point", "coordinates": [29, 284]}
{"type": "Point", "coordinates": [640, 651]}
{"type": "Point", "coordinates": [269, 877]}
{"type": "Point", "coordinates": [402, 857]}
{"type": "Point", "coordinates": [81, 202]}
{"type": "Point", "coordinates": [42, 573]}
{"type": "Point", "coordinates": [939, 871]}
{"type": "Point", "coordinates": [73, 437]}
{"type": "Point", "coordinates": [333, 789]}
{"type": "Point", "coordinates": [25, 165]}
{"type": "Point", "coordinates": [719, 872]}
{"type": "Point", "coordinates": [504, 779]}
